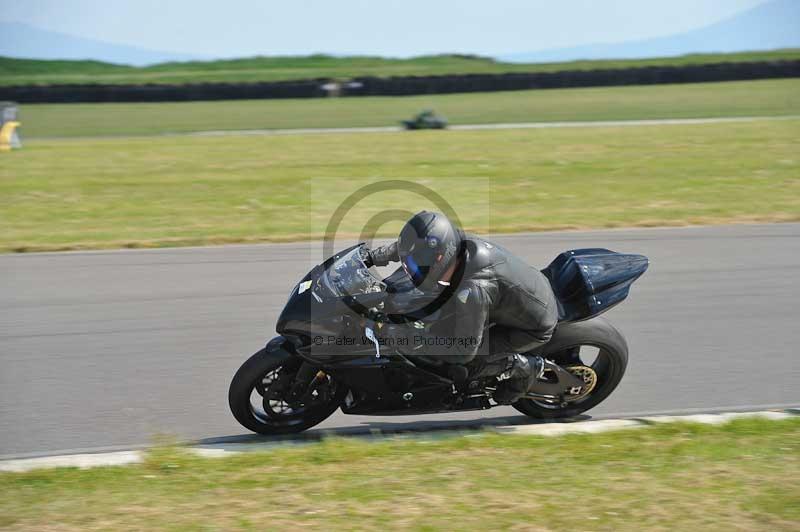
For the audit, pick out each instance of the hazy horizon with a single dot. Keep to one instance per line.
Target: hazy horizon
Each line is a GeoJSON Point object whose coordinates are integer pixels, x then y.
{"type": "Point", "coordinates": [183, 29]}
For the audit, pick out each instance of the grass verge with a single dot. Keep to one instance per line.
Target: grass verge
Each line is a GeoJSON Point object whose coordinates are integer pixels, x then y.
{"type": "Point", "coordinates": [744, 475]}
{"type": "Point", "coordinates": [60, 195]}
{"type": "Point", "coordinates": [741, 98]}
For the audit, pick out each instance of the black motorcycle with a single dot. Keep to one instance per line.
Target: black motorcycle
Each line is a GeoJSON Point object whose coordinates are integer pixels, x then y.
{"type": "Point", "coordinates": [425, 120]}
{"type": "Point", "coordinates": [330, 353]}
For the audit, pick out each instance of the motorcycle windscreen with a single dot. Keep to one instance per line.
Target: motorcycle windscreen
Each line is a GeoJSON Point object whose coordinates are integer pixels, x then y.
{"type": "Point", "coordinates": [341, 286]}
{"type": "Point", "coordinates": [348, 275]}
{"type": "Point", "coordinates": [588, 282]}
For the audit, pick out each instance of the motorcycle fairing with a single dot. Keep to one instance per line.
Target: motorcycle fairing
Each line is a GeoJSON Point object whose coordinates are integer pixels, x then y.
{"type": "Point", "coordinates": [315, 312]}
{"type": "Point", "coordinates": [392, 387]}
{"type": "Point", "coordinates": [588, 282]}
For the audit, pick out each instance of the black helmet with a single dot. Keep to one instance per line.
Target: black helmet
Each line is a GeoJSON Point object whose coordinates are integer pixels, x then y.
{"type": "Point", "coordinates": [428, 245]}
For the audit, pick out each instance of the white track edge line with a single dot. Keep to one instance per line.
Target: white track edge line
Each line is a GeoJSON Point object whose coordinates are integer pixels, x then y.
{"type": "Point", "coordinates": [119, 458]}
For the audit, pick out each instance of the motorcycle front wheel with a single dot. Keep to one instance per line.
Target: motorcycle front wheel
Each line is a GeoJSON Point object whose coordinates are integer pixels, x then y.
{"type": "Point", "coordinates": [258, 395]}
{"type": "Point", "coordinates": [593, 349]}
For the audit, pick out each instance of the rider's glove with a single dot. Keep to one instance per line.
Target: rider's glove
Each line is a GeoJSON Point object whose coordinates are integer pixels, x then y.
{"type": "Point", "coordinates": [383, 255]}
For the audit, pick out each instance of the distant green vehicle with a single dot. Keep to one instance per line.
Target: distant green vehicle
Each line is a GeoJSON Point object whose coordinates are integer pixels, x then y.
{"type": "Point", "coordinates": [427, 119]}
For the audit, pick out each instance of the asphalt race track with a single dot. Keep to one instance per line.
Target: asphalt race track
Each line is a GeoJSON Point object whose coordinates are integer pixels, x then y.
{"type": "Point", "coordinates": [110, 349]}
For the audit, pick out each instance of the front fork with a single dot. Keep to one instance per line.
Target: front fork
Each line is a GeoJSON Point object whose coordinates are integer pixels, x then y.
{"type": "Point", "coordinates": [305, 382]}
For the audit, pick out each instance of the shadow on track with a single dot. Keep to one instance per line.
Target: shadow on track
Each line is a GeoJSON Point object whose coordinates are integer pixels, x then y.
{"type": "Point", "coordinates": [384, 429]}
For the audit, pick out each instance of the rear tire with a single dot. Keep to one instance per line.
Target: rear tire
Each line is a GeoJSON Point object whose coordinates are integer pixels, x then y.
{"type": "Point", "coordinates": [244, 384]}
{"type": "Point", "coordinates": [610, 365]}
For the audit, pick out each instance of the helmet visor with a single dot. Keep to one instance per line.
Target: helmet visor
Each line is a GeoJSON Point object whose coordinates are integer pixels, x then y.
{"type": "Point", "coordinates": [413, 269]}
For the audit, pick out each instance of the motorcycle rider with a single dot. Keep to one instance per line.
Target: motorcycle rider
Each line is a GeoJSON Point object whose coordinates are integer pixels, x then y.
{"type": "Point", "coordinates": [482, 286]}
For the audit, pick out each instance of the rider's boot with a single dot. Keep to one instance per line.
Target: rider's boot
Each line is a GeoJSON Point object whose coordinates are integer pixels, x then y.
{"type": "Point", "coordinates": [521, 375]}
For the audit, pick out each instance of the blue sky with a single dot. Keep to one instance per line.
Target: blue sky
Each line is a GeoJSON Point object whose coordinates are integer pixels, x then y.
{"type": "Point", "coordinates": [249, 27]}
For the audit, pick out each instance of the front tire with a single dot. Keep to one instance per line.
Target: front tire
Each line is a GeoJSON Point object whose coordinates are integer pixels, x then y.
{"type": "Point", "coordinates": [252, 380]}
{"type": "Point", "coordinates": [564, 350]}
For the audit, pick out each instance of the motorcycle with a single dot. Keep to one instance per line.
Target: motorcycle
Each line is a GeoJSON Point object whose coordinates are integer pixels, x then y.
{"type": "Point", "coordinates": [330, 354]}
{"type": "Point", "coordinates": [425, 120]}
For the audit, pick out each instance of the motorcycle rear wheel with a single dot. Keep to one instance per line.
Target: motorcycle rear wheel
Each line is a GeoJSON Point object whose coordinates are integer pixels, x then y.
{"type": "Point", "coordinates": [565, 348]}
{"type": "Point", "coordinates": [275, 417]}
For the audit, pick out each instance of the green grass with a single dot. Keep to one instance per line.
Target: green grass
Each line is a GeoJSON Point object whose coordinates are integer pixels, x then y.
{"type": "Point", "coordinates": [75, 194]}
{"type": "Point", "coordinates": [747, 98]}
{"type": "Point", "coordinates": [43, 72]}
{"type": "Point", "coordinates": [742, 476]}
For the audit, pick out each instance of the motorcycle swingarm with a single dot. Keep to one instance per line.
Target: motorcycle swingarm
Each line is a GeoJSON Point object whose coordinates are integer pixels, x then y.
{"type": "Point", "coordinates": [564, 380]}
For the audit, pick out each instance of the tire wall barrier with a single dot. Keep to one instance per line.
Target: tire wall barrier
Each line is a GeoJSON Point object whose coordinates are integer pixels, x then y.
{"type": "Point", "coordinates": [402, 86]}
{"type": "Point", "coordinates": [576, 78]}
{"type": "Point", "coordinates": [161, 92]}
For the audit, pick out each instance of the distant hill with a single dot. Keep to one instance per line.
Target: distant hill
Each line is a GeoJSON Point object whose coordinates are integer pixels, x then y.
{"type": "Point", "coordinates": [774, 24]}
{"type": "Point", "coordinates": [42, 72]}
{"type": "Point", "coordinates": [21, 40]}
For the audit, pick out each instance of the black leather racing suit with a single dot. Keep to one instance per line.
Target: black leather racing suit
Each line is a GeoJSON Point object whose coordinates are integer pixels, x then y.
{"type": "Point", "coordinates": [497, 303]}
